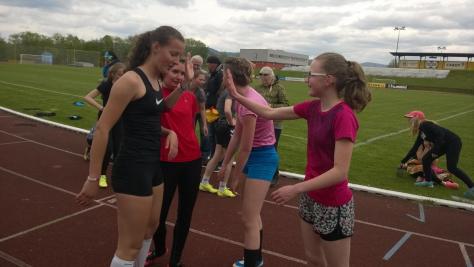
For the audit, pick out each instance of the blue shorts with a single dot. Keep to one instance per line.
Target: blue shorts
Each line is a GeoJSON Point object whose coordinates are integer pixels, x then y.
{"type": "Point", "coordinates": [262, 163]}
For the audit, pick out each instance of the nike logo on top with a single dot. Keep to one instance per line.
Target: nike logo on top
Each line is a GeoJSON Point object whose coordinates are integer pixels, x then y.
{"type": "Point", "coordinates": [158, 102]}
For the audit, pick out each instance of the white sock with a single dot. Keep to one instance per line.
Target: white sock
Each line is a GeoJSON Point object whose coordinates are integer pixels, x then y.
{"type": "Point", "coordinates": [118, 262]}
{"type": "Point", "coordinates": [205, 180]}
{"type": "Point", "coordinates": [222, 186]}
{"type": "Point", "coordinates": [141, 258]}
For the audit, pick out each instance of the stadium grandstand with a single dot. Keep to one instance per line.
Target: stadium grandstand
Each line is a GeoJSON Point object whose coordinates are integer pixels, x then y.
{"type": "Point", "coordinates": [440, 61]}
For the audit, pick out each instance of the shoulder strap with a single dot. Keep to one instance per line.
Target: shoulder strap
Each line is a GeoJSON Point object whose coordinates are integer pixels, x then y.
{"type": "Point", "coordinates": [144, 78]}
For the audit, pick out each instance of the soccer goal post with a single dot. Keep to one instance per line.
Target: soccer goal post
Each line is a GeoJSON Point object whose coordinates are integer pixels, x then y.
{"type": "Point", "coordinates": [36, 59]}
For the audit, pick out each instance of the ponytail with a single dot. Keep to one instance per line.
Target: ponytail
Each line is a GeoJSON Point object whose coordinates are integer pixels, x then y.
{"type": "Point", "coordinates": [143, 42]}
{"type": "Point", "coordinates": [356, 93]}
{"type": "Point", "coordinates": [351, 84]}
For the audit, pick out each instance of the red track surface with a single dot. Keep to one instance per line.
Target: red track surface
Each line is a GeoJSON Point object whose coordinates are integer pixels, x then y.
{"type": "Point", "coordinates": [41, 170]}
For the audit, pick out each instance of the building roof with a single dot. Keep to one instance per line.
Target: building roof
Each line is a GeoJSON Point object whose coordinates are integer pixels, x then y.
{"type": "Point", "coordinates": [437, 54]}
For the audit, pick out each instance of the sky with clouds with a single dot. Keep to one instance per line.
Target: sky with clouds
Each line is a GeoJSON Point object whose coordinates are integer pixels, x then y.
{"type": "Point", "coordinates": [360, 30]}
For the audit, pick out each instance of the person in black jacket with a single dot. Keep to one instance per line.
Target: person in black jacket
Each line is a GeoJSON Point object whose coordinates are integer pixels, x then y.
{"type": "Point", "coordinates": [213, 86]}
{"type": "Point", "coordinates": [443, 141]}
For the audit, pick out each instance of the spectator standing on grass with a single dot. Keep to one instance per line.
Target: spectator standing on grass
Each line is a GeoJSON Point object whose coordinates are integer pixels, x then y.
{"type": "Point", "coordinates": [275, 95]}
{"type": "Point", "coordinates": [115, 135]}
{"type": "Point", "coordinates": [110, 58]}
{"type": "Point", "coordinates": [213, 88]}
{"type": "Point", "coordinates": [136, 174]}
{"type": "Point", "coordinates": [326, 205]}
{"type": "Point", "coordinates": [197, 61]}
{"type": "Point", "coordinates": [181, 172]}
{"type": "Point", "coordinates": [256, 161]}
{"type": "Point", "coordinates": [443, 141]}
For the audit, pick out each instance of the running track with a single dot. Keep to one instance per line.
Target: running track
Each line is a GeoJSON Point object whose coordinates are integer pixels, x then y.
{"type": "Point", "coordinates": [41, 170]}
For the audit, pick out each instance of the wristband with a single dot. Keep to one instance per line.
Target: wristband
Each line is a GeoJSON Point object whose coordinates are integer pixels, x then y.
{"type": "Point", "coordinates": [92, 179]}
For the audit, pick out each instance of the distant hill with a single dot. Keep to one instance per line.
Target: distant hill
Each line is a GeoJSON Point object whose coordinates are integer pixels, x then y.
{"type": "Point", "coordinates": [217, 53]}
{"type": "Point", "coordinates": [371, 64]}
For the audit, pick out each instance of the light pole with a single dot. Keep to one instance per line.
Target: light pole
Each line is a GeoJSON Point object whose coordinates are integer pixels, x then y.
{"type": "Point", "coordinates": [441, 49]}
{"type": "Point", "coordinates": [398, 28]}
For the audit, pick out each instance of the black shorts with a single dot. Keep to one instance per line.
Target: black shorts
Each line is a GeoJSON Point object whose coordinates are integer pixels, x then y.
{"type": "Point", "coordinates": [223, 132]}
{"type": "Point", "coordinates": [331, 223]}
{"type": "Point", "coordinates": [136, 178]}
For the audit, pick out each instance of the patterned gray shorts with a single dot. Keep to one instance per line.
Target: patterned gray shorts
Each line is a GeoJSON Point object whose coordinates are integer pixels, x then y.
{"type": "Point", "coordinates": [331, 223]}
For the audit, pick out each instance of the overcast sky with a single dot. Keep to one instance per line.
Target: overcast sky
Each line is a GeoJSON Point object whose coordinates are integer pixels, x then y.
{"type": "Point", "coordinates": [360, 30]}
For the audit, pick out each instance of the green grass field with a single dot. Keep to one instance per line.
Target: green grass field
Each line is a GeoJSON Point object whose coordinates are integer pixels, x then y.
{"type": "Point", "coordinates": [55, 88]}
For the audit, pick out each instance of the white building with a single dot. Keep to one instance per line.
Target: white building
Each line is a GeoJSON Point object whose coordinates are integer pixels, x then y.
{"type": "Point", "coordinates": [274, 58]}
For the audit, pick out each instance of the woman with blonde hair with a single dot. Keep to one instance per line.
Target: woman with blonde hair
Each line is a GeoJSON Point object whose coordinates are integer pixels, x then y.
{"type": "Point", "coordinates": [443, 141]}
{"type": "Point", "coordinates": [275, 95]}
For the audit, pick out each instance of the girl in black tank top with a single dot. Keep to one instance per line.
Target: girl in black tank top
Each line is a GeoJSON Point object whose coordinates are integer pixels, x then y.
{"type": "Point", "coordinates": [136, 177]}
{"type": "Point", "coordinates": [141, 123]}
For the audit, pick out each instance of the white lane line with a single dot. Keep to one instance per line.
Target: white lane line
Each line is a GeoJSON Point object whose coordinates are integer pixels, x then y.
{"type": "Point", "coordinates": [42, 144]}
{"type": "Point", "coordinates": [38, 182]}
{"type": "Point", "coordinates": [396, 247]}
{"type": "Point", "coordinates": [295, 137]}
{"type": "Point", "coordinates": [6, 116]}
{"type": "Point", "coordinates": [389, 228]}
{"type": "Point", "coordinates": [465, 255]}
{"type": "Point", "coordinates": [371, 140]}
{"type": "Point", "coordinates": [49, 223]}
{"type": "Point", "coordinates": [40, 89]}
{"type": "Point", "coordinates": [12, 143]}
{"type": "Point", "coordinates": [99, 201]}
{"type": "Point", "coordinates": [421, 218]}
{"type": "Point", "coordinates": [102, 204]}
{"type": "Point", "coordinates": [13, 260]}
{"type": "Point", "coordinates": [230, 241]}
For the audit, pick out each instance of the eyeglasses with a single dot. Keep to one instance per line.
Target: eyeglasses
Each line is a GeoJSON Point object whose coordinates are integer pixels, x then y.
{"type": "Point", "coordinates": [264, 74]}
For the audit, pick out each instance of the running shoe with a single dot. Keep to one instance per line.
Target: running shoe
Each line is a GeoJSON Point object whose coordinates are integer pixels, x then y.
{"type": "Point", "coordinates": [240, 263]}
{"type": "Point", "coordinates": [419, 179]}
{"type": "Point", "coordinates": [207, 188]}
{"type": "Point", "coordinates": [469, 193]}
{"type": "Point", "coordinates": [428, 184]}
{"type": "Point", "coordinates": [451, 185]}
{"type": "Point", "coordinates": [226, 193]}
{"type": "Point", "coordinates": [103, 181]}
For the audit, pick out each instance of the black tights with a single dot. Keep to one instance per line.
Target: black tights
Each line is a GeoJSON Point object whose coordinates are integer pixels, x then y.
{"type": "Point", "coordinates": [185, 176]}
{"type": "Point", "coordinates": [452, 149]}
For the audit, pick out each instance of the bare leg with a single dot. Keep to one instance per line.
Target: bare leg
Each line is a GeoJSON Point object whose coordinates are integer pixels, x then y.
{"type": "Point", "coordinates": [312, 246]}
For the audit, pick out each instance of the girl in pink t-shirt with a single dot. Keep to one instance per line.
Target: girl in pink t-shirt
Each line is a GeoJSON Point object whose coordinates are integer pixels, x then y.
{"type": "Point", "coordinates": [256, 161]}
{"type": "Point", "coordinates": [326, 206]}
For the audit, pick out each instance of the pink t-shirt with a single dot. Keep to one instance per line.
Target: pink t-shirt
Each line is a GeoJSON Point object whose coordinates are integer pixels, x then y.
{"type": "Point", "coordinates": [264, 132]}
{"type": "Point", "coordinates": [324, 128]}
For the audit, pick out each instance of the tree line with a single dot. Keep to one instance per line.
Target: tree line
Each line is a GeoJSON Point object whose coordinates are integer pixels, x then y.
{"type": "Point", "coordinates": [36, 43]}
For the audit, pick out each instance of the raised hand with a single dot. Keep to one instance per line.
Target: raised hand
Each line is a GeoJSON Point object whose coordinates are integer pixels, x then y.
{"type": "Point", "coordinates": [188, 68]}
{"type": "Point", "coordinates": [230, 85]}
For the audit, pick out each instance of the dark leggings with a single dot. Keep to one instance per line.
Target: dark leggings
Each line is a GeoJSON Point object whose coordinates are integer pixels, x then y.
{"type": "Point", "coordinates": [452, 149]}
{"type": "Point", "coordinates": [186, 176]}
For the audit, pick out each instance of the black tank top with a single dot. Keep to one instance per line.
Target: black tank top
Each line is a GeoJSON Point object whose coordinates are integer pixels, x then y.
{"type": "Point", "coordinates": [141, 125]}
